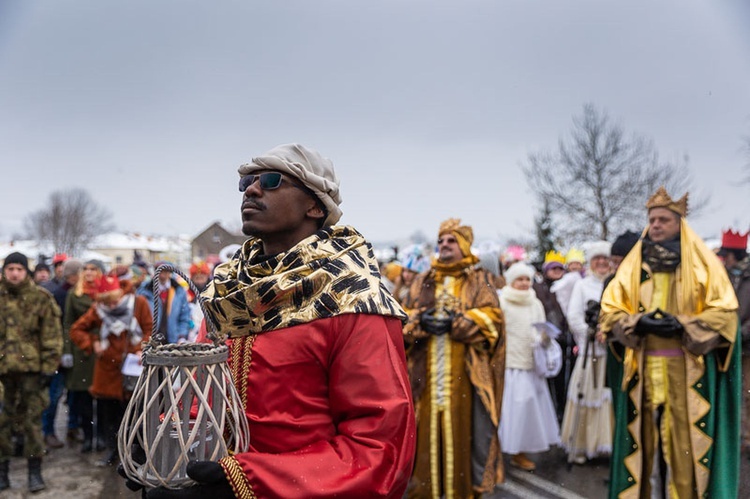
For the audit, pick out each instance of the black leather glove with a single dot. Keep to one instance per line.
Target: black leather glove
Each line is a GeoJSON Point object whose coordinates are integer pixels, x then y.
{"type": "Point", "coordinates": [432, 323]}
{"type": "Point", "coordinates": [45, 379]}
{"type": "Point", "coordinates": [659, 323]}
{"type": "Point", "coordinates": [211, 481]}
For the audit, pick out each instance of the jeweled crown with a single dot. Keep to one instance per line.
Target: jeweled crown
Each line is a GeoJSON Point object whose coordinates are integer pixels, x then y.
{"type": "Point", "coordinates": [662, 199]}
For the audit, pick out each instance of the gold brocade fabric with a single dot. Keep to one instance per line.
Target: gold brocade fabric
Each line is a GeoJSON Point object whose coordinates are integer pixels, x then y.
{"type": "Point", "coordinates": [438, 368]}
{"type": "Point", "coordinates": [704, 286]}
{"type": "Point", "coordinates": [330, 273]}
{"type": "Point", "coordinates": [699, 293]}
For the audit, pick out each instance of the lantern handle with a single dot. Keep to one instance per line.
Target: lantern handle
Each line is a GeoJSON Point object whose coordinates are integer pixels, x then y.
{"type": "Point", "coordinates": [156, 337]}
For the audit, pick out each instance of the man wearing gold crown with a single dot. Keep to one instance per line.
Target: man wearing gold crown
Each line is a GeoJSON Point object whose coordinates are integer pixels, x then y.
{"type": "Point", "coordinates": [734, 252]}
{"type": "Point", "coordinates": [671, 313]}
{"type": "Point", "coordinates": [455, 340]}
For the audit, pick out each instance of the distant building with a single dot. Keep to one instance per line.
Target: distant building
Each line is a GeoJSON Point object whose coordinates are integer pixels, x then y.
{"type": "Point", "coordinates": [120, 248]}
{"type": "Point", "coordinates": [208, 244]}
{"type": "Point", "coordinates": [36, 251]}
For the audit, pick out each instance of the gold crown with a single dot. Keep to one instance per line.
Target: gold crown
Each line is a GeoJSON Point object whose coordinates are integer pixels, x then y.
{"type": "Point", "coordinates": [554, 256]}
{"type": "Point", "coordinates": [575, 255]}
{"type": "Point", "coordinates": [661, 199]}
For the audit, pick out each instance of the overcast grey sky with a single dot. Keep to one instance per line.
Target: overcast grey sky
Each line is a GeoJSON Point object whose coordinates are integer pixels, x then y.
{"type": "Point", "coordinates": [426, 108]}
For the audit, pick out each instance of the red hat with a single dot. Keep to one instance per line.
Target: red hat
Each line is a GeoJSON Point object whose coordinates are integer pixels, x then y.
{"type": "Point", "coordinates": [734, 240]}
{"type": "Point", "coordinates": [108, 283]}
{"type": "Point", "coordinates": [59, 258]}
{"type": "Point", "coordinates": [200, 268]}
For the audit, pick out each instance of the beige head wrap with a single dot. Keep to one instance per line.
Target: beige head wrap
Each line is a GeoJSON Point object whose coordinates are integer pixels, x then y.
{"type": "Point", "coordinates": [306, 165]}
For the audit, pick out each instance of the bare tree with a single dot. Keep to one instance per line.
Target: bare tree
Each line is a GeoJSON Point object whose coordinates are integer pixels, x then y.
{"type": "Point", "coordinates": [597, 181]}
{"type": "Point", "coordinates": [545, 231]}
{"type": "Point", "coordinates": [70, 221]}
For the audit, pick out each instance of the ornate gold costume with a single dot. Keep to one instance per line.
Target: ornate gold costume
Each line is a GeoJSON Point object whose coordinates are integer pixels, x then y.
{"type": "Point", "coordinates": [456, 378]}
{"type": "Point", "coordinates": [680, 376]}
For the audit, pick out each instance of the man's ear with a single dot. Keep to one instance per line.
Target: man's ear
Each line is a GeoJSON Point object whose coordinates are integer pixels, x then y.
{"type": "Point", "coordinates": [315, 212]}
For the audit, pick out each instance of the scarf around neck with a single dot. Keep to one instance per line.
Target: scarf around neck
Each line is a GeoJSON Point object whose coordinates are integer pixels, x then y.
{"type": "Point", "coordinates": [518, 296]}
{"type": "Point", "coordinates": [453, 269]}
{"type": "Point", "coordinates": [330, 273]}
{"type": "Point", "coordinates": [89, 289]}
{"type": "Point", "coordinates": [662, 257]}
{"type": "Point", "coordinates": [119, 319]}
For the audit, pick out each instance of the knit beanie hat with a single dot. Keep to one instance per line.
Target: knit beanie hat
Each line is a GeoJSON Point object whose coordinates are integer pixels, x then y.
{"type": "Point", "coordinates": [71, 268]}
{"type": "Point", "coordinates": [519, 269]}
{"type": "Point", "coordinates": [97, 263]}
{"type": "Point", "coordinates": [16, 257]}
{"type": "Point", "coordinates": [42, 266]}
{"type": "Point", "coordinates": [624, 243]}
{"type": "Point", "coordinates": [306, 165]}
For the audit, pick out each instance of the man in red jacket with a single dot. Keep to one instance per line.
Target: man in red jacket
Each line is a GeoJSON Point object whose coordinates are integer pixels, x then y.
{"type": "Point", "coordinates": [316, 346]}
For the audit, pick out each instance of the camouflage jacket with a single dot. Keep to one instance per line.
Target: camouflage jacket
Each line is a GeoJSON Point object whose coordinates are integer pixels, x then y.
{"type": "Point", "coordinates": [30, 329]}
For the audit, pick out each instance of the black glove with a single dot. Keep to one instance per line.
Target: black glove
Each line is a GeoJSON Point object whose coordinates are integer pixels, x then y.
{"type": "Point", "coordinates": [591, 314]}
{"type": "Point", "coordinates": [659, 323]}
{"type": "Point", "coordinates": [45, 379]}
{"type": "Point", "coordinates": [138, 455]}
{"type": "Point", "coordinates": [434, 324]}
{"type": "Point", "coordinates": [212, 484]}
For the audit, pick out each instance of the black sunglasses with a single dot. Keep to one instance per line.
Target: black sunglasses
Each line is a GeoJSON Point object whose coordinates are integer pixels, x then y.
{"type": "Point", "coordinates": [447, 240]}
{"type": "Point", "coordinates": [268, 181]}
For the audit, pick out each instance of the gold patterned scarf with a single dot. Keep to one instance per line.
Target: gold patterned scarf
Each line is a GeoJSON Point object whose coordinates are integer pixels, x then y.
{"type": "Point", "coordinates": [330, 273]}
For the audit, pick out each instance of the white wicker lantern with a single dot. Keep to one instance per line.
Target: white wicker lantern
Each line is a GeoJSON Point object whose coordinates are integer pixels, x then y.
{"type": "Point", "coordinates": [184, 407]}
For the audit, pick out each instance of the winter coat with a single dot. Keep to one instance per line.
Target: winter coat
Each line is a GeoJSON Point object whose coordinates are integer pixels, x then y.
{"type": "Point", "coordinates": [740, 277]}
{"type": "Point", "coordinates": [30, 330]}
{"type": "Point", "coordinates": [586, 289]}
{"type": "Point", "coordinates": [521, 309]}
{"type": "Point", "coordinates": [563, 289]}
{"type": "Point", "coordinates": [552, 309]}
{"type": "Point", "coordinates": [178, 311]}
{"type": "Point", "coordinates": [107, 381]}
{"type": "Point", "coordinates": [79, 377]}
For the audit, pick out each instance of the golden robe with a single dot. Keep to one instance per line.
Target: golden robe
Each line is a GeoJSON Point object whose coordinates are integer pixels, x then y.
{"type": "Point", "coordinates": [457, 382]}
{"type": "Point", "coordinates": [684, 377]}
